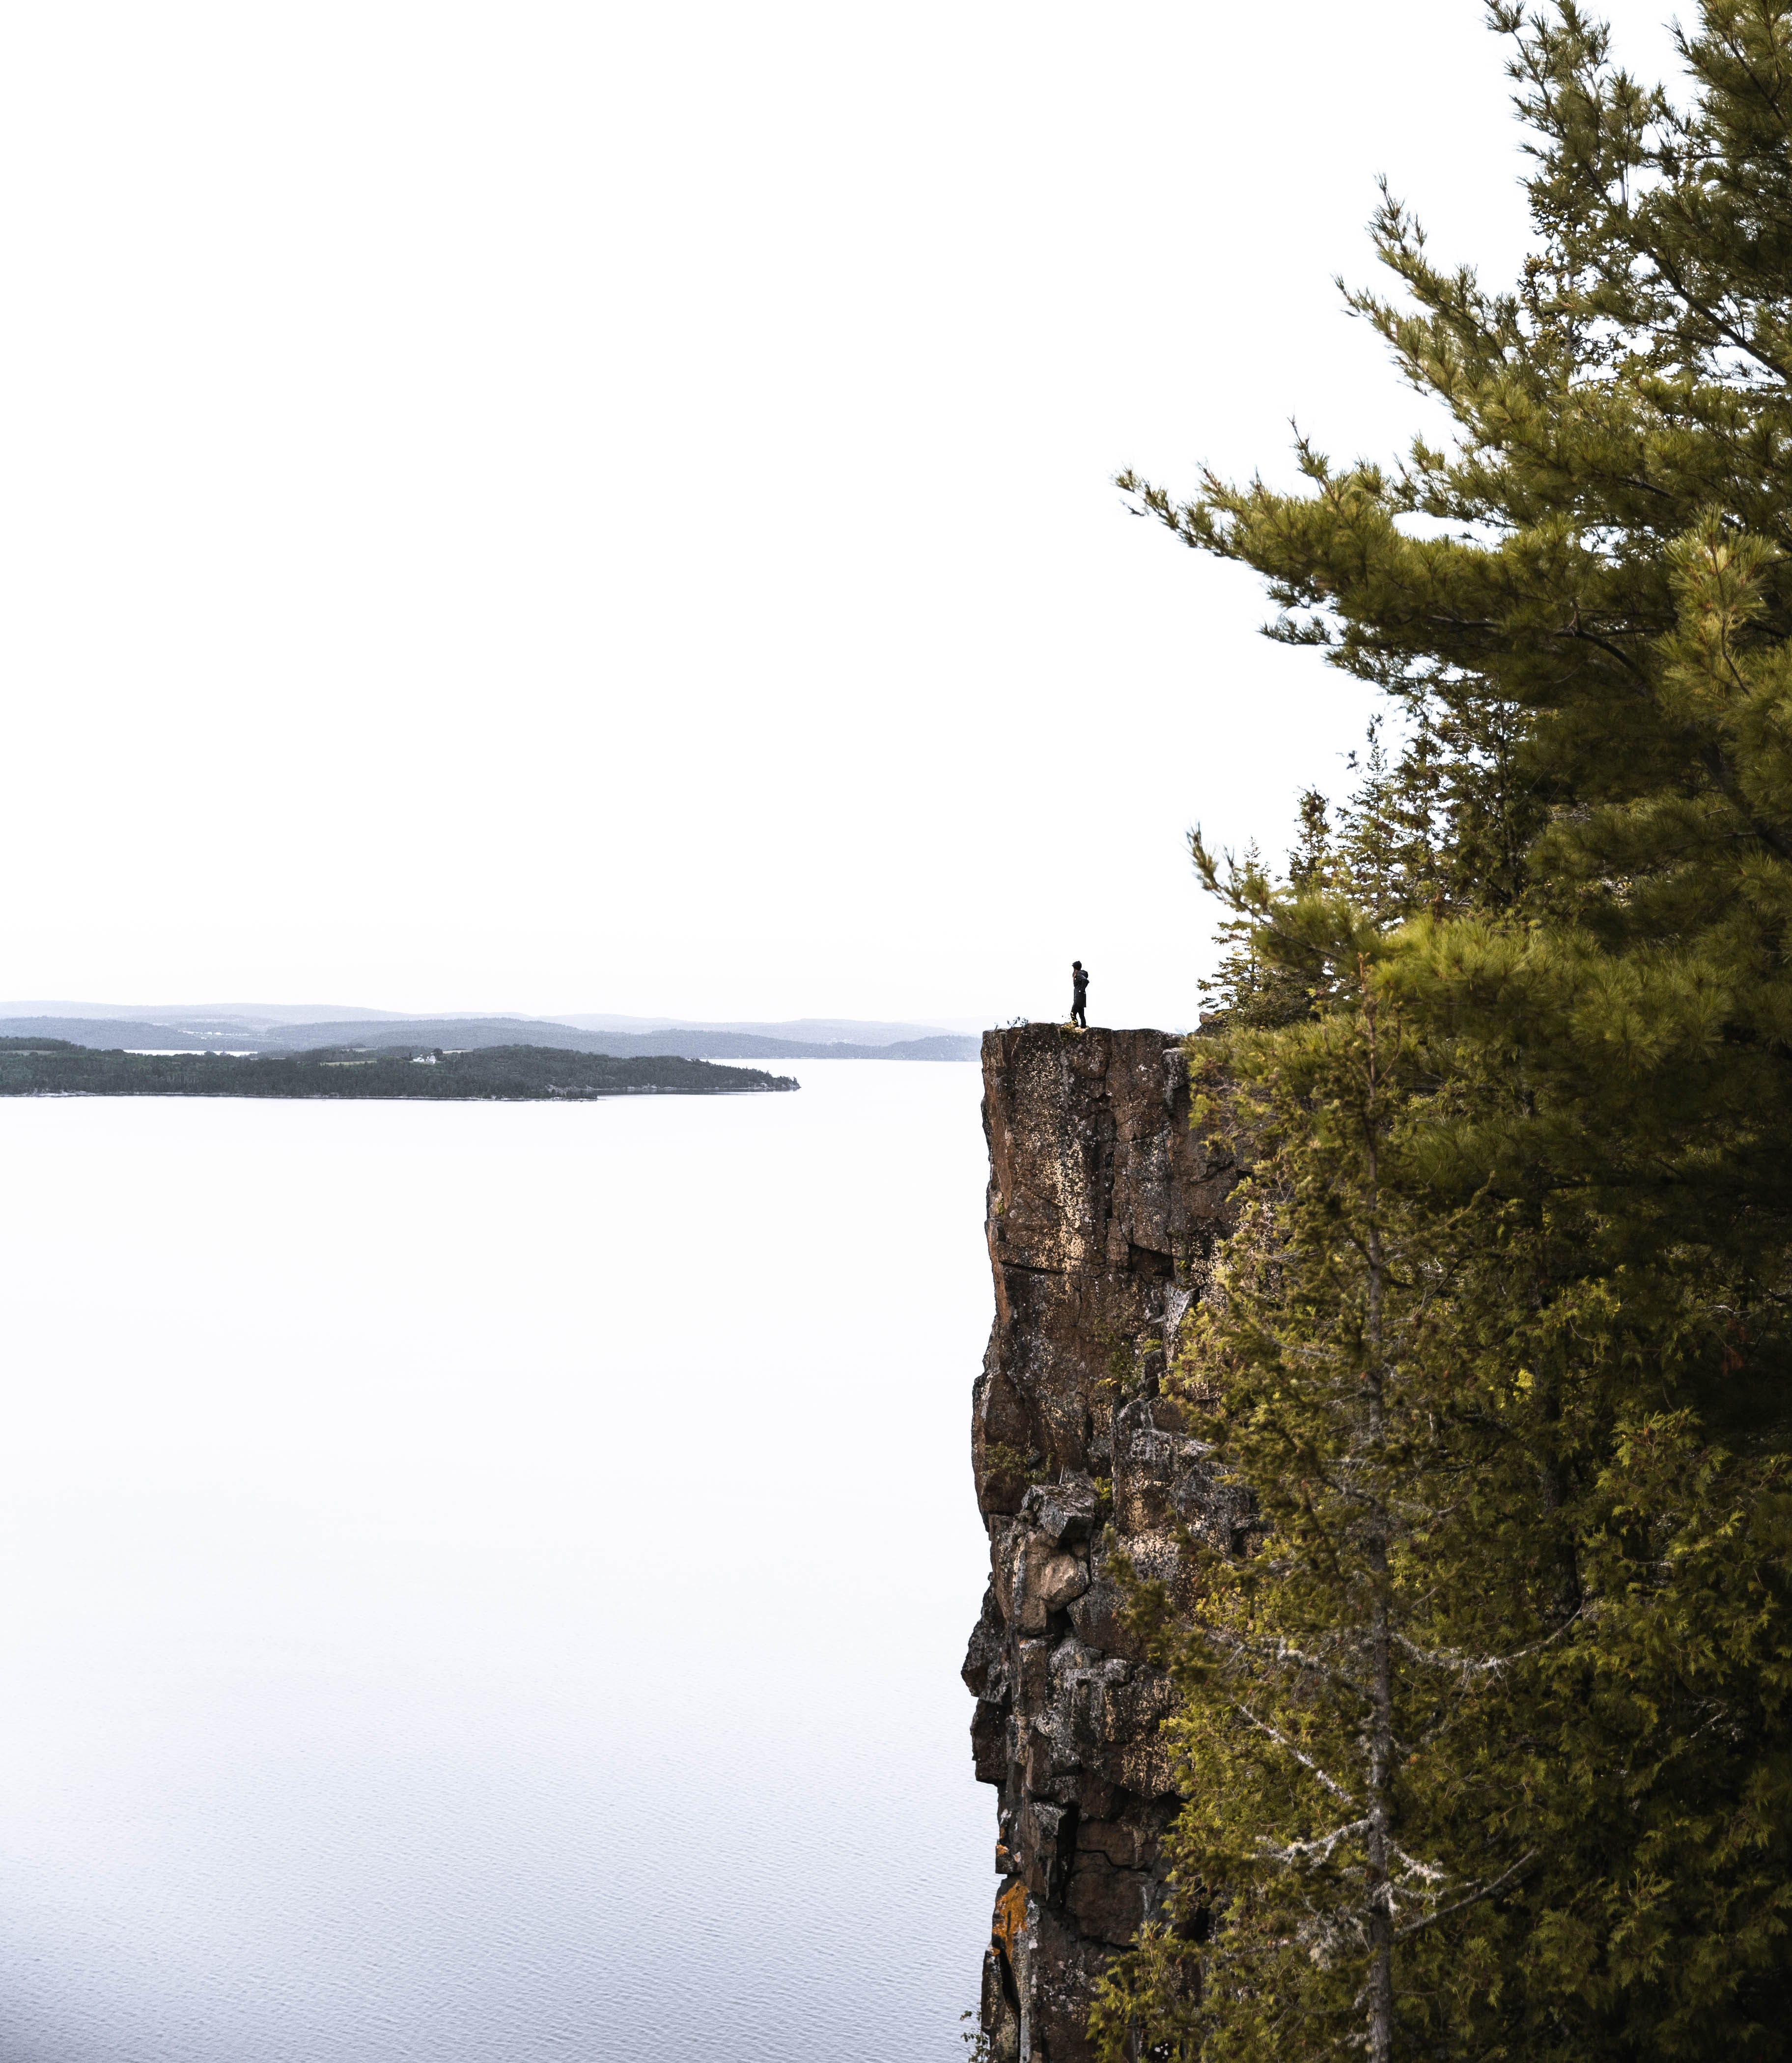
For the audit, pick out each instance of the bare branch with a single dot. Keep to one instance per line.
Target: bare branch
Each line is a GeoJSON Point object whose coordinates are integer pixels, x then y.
{"type": "Point", "coordinates": [1306, 1761]}
{"type": "Point", "coordinates": [1461, 1664]}
{"type": "Point", "coordinates": [1475, 1898]}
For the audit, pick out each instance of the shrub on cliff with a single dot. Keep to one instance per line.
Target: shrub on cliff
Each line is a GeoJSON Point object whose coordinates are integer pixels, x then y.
{"type": "Point", "coordinates": [1487, 1745]}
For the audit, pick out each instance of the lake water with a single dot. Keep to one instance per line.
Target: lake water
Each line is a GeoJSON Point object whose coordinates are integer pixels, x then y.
{"type": "Point", "coordinates": [486, 1582]}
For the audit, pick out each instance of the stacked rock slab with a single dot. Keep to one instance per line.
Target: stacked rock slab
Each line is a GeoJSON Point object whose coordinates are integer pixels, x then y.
{"type": "Point", "coordinates": [1103, 1213]}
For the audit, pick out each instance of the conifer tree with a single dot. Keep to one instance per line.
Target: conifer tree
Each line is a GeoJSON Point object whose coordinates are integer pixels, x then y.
{"type": "Point", "coordinates": [1486, 1740]}
{"type": "Point", "coordinates": [1346, 1681]}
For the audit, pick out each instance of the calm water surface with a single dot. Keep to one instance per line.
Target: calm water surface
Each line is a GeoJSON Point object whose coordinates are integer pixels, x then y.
{"type": "Point", "coordinates": [486, 1582]}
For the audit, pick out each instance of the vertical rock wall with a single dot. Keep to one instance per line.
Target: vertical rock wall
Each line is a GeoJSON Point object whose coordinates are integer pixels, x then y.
{"type": "Point", "coordinates": [1103, 1215]}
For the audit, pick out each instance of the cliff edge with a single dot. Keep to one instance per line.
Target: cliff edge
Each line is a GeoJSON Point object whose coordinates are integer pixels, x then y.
{"type": "Point", "coordinates": [1103, 1211]}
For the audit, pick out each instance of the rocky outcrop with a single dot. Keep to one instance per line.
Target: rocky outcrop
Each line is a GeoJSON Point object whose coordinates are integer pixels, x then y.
{"type": "Point", "coordinates": [1103, 1212]}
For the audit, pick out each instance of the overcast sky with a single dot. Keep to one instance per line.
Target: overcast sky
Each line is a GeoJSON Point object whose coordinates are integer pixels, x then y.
{"type": "Point", "coordinates": [605, 507]}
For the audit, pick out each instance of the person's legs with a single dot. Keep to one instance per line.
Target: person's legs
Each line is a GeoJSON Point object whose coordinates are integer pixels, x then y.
{"type": "Point", "coordinates": [1079, 1013]}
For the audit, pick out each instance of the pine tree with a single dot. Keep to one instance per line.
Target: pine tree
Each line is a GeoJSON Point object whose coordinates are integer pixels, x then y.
{"type": "Point", "coordinates": [1486, 1742]}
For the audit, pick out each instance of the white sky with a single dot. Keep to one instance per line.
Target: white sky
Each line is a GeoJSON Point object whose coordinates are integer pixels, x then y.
{"type": "Point", "coordinates": [605, 507]}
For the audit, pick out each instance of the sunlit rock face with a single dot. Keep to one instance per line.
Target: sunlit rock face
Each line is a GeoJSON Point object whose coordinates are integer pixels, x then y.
{"type": "Point", "coordinates": [1103, 1214]}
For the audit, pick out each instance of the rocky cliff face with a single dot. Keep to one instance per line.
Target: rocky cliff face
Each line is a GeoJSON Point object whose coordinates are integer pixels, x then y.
{"type": "Point", "coordinates": [1103, 1212]}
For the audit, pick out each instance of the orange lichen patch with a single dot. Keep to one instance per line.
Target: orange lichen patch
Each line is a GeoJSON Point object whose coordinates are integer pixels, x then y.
{"type": "Point", "coordinates": [1011, 1917]}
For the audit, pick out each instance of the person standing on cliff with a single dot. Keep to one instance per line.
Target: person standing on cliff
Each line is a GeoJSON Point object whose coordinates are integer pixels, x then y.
{"type": "Point", "coordinates": [1079, 994]}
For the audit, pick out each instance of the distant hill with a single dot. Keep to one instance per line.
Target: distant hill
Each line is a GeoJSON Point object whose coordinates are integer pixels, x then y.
{"type": "Point", "coordinates": [115, 1031]}
{"type": "Point", "coordinates": [804, 1031]}
{"type": "Point", "coordinates": [233, 1014]}
{"type": "Point", "coordinates": [198, 1032]}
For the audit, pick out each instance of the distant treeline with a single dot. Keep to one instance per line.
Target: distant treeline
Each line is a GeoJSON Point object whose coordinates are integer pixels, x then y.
{"type": "Point", "coordinates": [58, 1066]}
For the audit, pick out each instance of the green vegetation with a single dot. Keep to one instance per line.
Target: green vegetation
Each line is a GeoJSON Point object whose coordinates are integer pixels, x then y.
{"type": "Point", "coordinates": [1486, 1740]}
{"type": "Point", "coordinates": [53, 1067]}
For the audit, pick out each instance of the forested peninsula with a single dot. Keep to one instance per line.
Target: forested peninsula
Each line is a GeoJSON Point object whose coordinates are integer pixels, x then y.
{"type": "Point", "coordinates": [504, 1074]}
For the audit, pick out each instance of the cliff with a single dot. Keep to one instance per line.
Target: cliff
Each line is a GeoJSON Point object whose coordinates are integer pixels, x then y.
{"type": "Point", "coordinates": [1103, 1215]}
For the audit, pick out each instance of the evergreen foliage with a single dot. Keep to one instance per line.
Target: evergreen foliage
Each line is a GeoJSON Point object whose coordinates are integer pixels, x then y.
{"type": "Point", "coordinates": [1486, 1739]}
